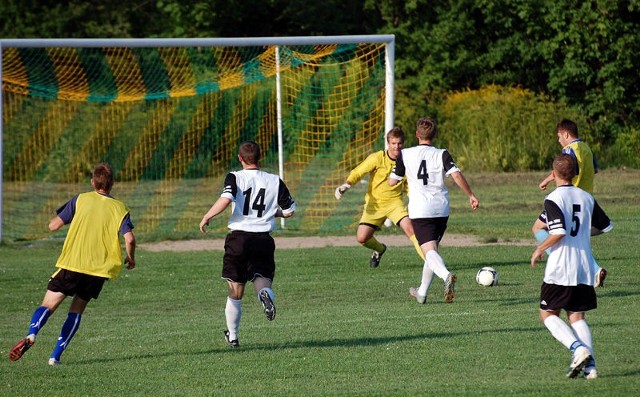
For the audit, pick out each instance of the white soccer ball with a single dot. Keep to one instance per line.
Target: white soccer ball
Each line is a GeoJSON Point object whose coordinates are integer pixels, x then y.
{"type": "Point", "coordinates": [487, 277]}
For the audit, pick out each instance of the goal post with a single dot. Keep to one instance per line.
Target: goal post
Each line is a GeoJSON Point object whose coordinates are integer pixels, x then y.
{"type": "Point", "coordinates": [168, 115]}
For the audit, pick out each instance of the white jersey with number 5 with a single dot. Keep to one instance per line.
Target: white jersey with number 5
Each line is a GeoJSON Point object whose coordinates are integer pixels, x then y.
{"type": "Point", "coordinates": [256, 196]}
{"type": "Point", "coordinates": [572, 212]}
{"type": "Point", "coordinates": [425, 167]}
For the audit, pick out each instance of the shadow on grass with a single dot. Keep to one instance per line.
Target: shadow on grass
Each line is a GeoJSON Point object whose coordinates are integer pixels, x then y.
{"type": "Point", "coordinates": [326, 343]}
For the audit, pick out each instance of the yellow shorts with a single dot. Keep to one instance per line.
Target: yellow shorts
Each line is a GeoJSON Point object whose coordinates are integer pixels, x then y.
{"type": "Point", "coordinates": [375, 214]}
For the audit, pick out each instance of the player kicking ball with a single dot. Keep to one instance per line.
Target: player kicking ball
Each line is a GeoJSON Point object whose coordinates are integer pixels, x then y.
{"type": "Point", "coordinates": [425, 168]}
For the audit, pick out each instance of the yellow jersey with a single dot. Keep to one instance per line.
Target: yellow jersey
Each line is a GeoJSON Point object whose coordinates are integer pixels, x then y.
{"type": "Point", "coordinates": [92, 245]}
{"type": "Point", "coordinates": [586, 163]}
{"type": "Point", "coordinates": [378, 165]}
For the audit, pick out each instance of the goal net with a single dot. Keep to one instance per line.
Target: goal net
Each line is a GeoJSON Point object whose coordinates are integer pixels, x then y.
{"type": "Point", "coordinates": [168, 115]}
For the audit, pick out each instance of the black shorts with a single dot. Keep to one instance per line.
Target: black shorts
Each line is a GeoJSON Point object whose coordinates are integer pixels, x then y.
{"type": "Point", "coordinates": [247, 255]}
{"type": "Point", "coordinates": [429, 229]}
{"type": "Point", "coordinates": [580, 298]}
{"type": "Point", "coordinates": [71, 283]}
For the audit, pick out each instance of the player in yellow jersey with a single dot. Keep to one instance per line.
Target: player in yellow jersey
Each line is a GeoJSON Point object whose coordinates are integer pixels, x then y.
{"type": "Point", "coordinates": [586, 168]}
{"type": "Point", "coordinates": [91, 254]}
{"type": "Point", "coordinates": [381, 201]}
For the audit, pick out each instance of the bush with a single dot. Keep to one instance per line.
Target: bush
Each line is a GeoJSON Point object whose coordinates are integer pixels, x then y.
{"type": "Point", "coordinates": [625, 152]}
{"type": "Point", "coordinates": [502, 129]}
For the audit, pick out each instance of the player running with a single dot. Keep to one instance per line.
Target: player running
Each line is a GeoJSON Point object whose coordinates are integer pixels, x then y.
{"type": "Point", "coordinates": [381, 201]}
{"type": "Point", "coordinates": [586, 168]}
{"type": "Point", "coordinates": [573, 216]}
{"type": "Point", "coordinates": [425, 168]}
{"type": "Point", "coordinates": [90, 256]}
{"type": "Point", "coordinates": [256, 198]}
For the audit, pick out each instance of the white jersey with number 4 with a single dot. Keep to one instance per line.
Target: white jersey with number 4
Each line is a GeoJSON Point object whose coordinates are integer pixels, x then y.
{"type": "Point", "coordinates": [425, 167]}
{"type": "Point", "coordinates": [572, 212]}
{"type": "Point", "coordinates": [256, 196]}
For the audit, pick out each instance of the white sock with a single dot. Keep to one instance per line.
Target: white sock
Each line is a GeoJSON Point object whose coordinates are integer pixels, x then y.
{"type": "Point", "coordinates": [582, 330]}
{"type": "Point", "coordinates": [560, 330]}
{"type": "Point", "coordinates": [436, 263]}
{"type": "Point", "coordinates": [233, 313]}
{"type": "Point", "coordinates": [427, 276]}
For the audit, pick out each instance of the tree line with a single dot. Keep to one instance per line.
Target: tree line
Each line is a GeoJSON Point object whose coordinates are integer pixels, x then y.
{"type": "Point", "coordinates": [583, 54]}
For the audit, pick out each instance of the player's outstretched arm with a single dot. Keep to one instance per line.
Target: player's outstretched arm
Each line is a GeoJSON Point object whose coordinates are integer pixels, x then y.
{"type": "Point", "coordinates": [546, 181]}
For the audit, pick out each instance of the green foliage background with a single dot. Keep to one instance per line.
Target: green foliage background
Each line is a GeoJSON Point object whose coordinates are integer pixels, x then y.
{"type": "Point", "coordinates": [579, 56]}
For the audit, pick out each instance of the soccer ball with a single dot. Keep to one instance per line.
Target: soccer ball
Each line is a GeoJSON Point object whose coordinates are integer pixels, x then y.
{"type": "Point", "coordinates": [487, 277]}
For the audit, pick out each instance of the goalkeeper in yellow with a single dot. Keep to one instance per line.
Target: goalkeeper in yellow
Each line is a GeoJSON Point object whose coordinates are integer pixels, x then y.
{"type": "Point", "coordinates": [381, 201]}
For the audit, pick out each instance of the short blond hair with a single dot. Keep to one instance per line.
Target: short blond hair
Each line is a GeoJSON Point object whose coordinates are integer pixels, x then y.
{"type": "Point", "coordinates": [395, 132]}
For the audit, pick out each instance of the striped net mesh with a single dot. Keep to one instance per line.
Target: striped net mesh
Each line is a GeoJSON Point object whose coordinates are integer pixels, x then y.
{"type": "Point", "coordinates": [169, 121]}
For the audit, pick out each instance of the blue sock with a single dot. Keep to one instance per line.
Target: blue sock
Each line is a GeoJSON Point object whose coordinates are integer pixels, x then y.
{"type": "Point", "coordinates": [541, 235]}
{"type": "Point", "coordinates": [269, 292]}
{"type": "Point", "coordinates": [574, 346]}
{"type": "Point", "coordinates": [38, 320]}
{"type": "Point", "coordinates": [69, 328]}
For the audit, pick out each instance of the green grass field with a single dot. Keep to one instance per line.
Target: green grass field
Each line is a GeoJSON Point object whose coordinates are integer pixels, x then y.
{"type": "Point", "coordinates": [342, 328]}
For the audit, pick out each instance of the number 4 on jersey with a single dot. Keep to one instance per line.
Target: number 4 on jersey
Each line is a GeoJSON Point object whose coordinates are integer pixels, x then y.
{"type": "Point", "coordinates": [422, 172]}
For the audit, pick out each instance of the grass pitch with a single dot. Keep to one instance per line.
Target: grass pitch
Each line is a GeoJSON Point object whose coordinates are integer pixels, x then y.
{"type": "Point", "coordinates": [341, 327]}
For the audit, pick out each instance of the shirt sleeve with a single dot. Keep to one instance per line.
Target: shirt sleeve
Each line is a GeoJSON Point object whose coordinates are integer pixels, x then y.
{"type": "Point", "coordinates": [600, 220]}
{"type": "Point", "coordinates": [369, 164]}
{"type": "Point", "coordinates": [126, 226]}
{"type": "Point", "coordinates": [230, 187]}
{"type": "Point", "coordinates": [449, 165]}
{"type": "Point", "coordinates": [555, 218]}
{"type": "Point", "coordinates": [68, 210]}
{"type": "Point", "coordinates": [285, 201]}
